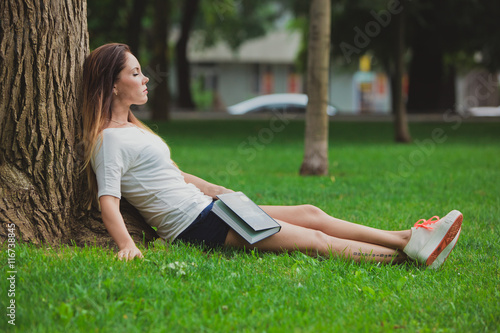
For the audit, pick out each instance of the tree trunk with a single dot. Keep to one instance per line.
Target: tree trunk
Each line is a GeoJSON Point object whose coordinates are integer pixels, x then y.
{"type": "Point", "coordinates": [447, 100]}
{"type": "Point", "coordinates": [160, 102]}
{"type": "Point", "coordinates": [316, 135]}
{"type": "Point", "coordinates": [185, 100]}
{"type": "Point", "coordinates": [427, 69]}
{"type": "Point", "coordinates": [402, 132]}
{"type": "Point", "coordinates": [42, 48]}
{"type": "Point", "coordinates": [134, 28]}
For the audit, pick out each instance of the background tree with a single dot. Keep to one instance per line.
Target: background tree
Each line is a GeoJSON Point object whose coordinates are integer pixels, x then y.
{"type": "Point", "coordinates": [379, 29]}
{"type": "Point", "coordinates": [136, 23]}
{"type": "Point", "coordinates": [42, 48]}
{"type": "Point", "coordinates": [316, 136]}
{"type": "Point", "coordinates": [189, 11]}
{"type": "Point", "coordinates": [160, 63]}
{"type": "Point", "coordinates": [231, 21]}
{"type": "Point", "coordinates": [431, 85]}
{"type": "Point", "coordinates": [445, 36]}
{"type": "Point", "coordinates": [486, 32]}
{"type": "Point", "coordinates": [109, 21]}
{"type": "Point", "coordinates": [401, 128]}
{"type": "Point", "coordinates": [235, 22]}
{"type": "Point", "coordinates": [135, 26]}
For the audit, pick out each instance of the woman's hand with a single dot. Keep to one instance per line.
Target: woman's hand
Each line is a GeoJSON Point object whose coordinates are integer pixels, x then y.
{"type": "Point", "coordinates": [129, 253]}
{"type": "Point", "coordinates": [113, 220]}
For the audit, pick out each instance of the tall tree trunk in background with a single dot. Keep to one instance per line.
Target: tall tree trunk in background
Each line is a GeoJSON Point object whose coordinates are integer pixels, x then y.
{"type": "Point", "coordinates": [401, 130]}
{"type": "Point", "coordinates": [426, 72]}
{"type": "Point", "coordinates": [42, 48]}
{"type": "Point", "coordinates": [134, 28]}
{"type": "Point", "coordinates": [429, 88]}
{"type": "Point", "coordinates": [316, 135]}
{"type": "Point", "coordinates": [160, 103]}
{"type": "Point", "coordinates": [189, 11]}
{"type": "Point", "coordinates": [447, 100]}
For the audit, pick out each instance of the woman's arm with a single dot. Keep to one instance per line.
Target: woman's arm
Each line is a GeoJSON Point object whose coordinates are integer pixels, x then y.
{"type": "Point", "coordinates": [208, 188]}
{"type": "Point", "coordinates": [113, 220]}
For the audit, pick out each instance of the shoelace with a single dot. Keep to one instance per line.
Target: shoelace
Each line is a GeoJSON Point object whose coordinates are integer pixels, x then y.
{"type": "Point", "coordinates": [426, 223]}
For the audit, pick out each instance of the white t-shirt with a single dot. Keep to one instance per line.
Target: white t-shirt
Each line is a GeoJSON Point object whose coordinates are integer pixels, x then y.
{"type": "Point", "coordinates": [136, 164]}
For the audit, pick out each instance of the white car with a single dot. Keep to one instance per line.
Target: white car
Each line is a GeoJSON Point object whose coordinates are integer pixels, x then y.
{"type": "Point", "coordinates": [286, 103]}
{"type": "Point", "coordinates": [485, 111]}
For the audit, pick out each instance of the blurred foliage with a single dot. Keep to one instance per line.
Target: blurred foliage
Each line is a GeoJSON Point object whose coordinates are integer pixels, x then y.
{"type": "Point", "coordinates": [107, 21]}
{"type": "Point", "coordinates": [235, 21]}
{"type": "Point", "coordinates": [464, 27]}
{"type": "Point", "coordinates": [466, 33]}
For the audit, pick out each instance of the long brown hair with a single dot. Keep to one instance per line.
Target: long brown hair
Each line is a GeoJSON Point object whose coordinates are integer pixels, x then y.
{"type": "Point", "coordinates": [100, 71]}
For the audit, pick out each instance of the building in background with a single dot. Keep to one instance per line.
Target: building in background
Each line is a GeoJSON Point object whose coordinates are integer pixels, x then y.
{"type": "Point", "coordinates": [259, 66]}
{"type": "Point", "coordinates": [266, 65]}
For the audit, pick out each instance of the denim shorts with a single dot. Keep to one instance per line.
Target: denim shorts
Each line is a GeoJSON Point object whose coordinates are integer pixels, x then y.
{"type": "Point", "coordinates": [208, 229]}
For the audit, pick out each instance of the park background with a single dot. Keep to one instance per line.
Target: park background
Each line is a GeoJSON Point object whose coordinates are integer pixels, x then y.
{"type": "Point", "coordinates": [67, 277]}
{"type": "Point", "coordinates": [450, 51]}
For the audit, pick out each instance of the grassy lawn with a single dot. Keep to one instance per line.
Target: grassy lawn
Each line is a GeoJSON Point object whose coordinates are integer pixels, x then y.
{"type": "Point", "coordinates": [372, 181]}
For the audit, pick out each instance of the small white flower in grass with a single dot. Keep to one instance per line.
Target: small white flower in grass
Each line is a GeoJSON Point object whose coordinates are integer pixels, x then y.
{"type": "Point", "coordinates": [179, 267]}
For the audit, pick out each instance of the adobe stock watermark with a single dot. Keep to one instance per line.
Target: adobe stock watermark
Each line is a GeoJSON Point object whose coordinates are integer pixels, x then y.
{"type": "Point", "coordinates": [372, 29]}
{"type": "Point", "coordinates": [427, 147]}
{"type": "Point", "coordinates": [155, 75]}
{"type": "Point", "coordinates": [11, 273]}
{"type": "Point", "coordinates": [249, 148]}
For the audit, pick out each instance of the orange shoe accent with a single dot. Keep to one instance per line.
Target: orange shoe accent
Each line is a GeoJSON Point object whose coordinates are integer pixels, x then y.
{"type": "Point", "coordinates": [426, 224]}
{"type": "Point", "coordinates": [447, 239]}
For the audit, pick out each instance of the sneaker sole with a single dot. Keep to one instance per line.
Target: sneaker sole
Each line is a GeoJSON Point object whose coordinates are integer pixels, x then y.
{"type": "Point", "coordinates": [441, 258]}
{"type": "Point", "coordinates": [452, 224]}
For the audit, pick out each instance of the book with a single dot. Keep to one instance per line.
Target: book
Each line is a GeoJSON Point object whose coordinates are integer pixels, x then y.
{"type": "Point", "coordinates": [245, 217]}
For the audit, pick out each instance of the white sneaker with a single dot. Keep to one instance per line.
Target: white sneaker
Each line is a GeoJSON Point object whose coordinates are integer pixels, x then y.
{"type": "Point", "coordinates": [428, 242]}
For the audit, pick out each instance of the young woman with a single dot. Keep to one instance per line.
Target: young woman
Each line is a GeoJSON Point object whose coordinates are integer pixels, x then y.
{"type": "Point", "coordinates": [125, 158]}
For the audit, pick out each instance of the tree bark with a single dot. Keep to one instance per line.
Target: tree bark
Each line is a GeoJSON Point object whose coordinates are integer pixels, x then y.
{"type": "Point", "coordinates": [430, 88]}
{"type": "Point", "coordinates": [134, 28]}
{"type": "Point", "coordinates": [401, 130]}
{"type": "Point", "coordinates": [42, 48]}
{"type": "Point", "coordinates": [185, 100]}
{"type": "Point", "coordinates": [447, 100]}
{"type": "Point", "coordinates": [316, 135]}
{"type": "Point", "coordinates": [160, 102]}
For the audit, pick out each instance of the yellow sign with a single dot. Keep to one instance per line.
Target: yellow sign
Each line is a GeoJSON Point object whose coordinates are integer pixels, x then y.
{"type": "Point", "coordinates": [365, 63]}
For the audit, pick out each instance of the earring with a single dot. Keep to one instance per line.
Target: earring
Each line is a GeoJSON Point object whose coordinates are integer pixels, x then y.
{"type": "Point", "coordinates": [116, 93]}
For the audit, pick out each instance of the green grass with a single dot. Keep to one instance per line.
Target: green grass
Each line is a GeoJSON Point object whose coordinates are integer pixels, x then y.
{"type": "Point", "coordinates": [372, 180]}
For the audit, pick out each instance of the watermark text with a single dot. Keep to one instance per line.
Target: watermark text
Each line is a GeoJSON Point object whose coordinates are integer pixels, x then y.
{"type": "Point", "coordinates": [11, 274]}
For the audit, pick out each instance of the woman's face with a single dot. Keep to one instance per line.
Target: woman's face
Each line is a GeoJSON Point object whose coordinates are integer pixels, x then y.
{"type": "Point", "coordinates": [130, 86]}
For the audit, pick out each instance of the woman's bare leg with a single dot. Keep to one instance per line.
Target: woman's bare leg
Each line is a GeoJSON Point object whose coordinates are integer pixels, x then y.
{"type": "Point", "coordinates": [313, 242]}
{"type": "Point", "coordinates": [311, 217]}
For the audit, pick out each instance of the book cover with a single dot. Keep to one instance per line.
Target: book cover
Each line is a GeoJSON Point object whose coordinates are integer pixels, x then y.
{"type": "Point", "coordinates": [245, 217]}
